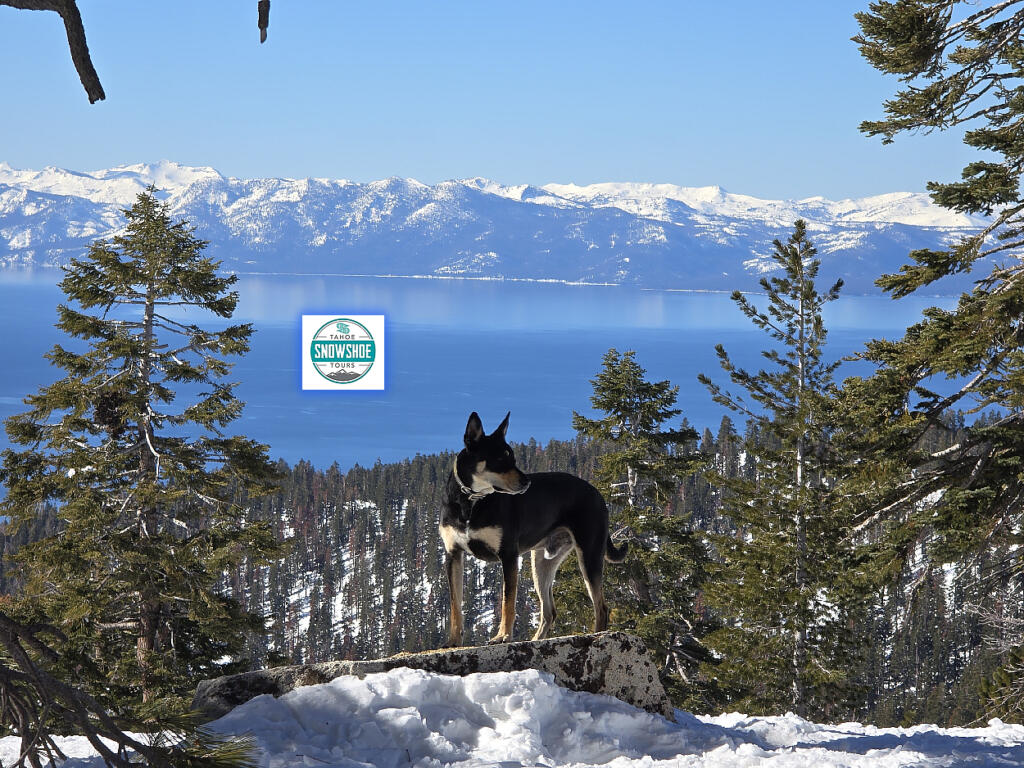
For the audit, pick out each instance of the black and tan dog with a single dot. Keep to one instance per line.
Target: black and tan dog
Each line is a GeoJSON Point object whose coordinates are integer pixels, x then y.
{"type": "Point", "coordinates": [495, 512]}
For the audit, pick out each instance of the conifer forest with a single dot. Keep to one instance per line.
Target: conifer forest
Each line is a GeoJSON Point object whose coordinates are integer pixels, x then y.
{"type": "Point", "coordinates": [363, 578]}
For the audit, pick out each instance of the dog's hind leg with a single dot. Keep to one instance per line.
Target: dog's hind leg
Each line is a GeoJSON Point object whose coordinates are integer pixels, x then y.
{"type": "Point", "coordinates": [454, 566]}
{"type": "Point", "coordinates": [592, 567]}
{"type": "Point", "coordinates": [544, 570]}
{"type": "Point", "coordinates": [509, 586]}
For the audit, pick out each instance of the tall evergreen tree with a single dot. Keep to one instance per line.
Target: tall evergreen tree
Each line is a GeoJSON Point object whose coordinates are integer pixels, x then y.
{"type": "Point", "coordinates": [144, 489]}
{"type": "Point", "coordinates": [780, 584]}
{"type": "Point", "coordinates": [962, 67]}
{"type": "Point", "coordinates": [654, 592]}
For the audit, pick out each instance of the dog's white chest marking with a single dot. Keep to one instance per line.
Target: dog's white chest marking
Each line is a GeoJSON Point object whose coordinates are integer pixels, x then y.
{"type": "Point", "coordinates": [456, 538]}
{"type": "Point", "coordinates": [490, 537]}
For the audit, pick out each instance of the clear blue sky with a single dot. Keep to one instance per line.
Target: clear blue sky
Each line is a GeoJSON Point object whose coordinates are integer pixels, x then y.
{"type": "Point", "coordinates": [762, 98]}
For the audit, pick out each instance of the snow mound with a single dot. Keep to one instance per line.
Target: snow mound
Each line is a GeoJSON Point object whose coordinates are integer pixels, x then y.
{"type": "Point", "coordinates": [407, 716]}
{"type": "Point", "coordinates": [516, 719]}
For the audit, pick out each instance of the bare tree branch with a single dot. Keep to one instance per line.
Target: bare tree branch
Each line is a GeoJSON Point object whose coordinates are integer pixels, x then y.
{"type": "Point", "coordinates": [69, 13]}
{"type": "Point", "coordinates": [68, 10]}
{"type": "Point", "coordinates": [263, 10]}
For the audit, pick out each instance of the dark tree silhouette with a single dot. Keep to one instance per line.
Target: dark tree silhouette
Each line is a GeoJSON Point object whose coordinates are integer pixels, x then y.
{"type": "Point", "coordinates": [68, 10]}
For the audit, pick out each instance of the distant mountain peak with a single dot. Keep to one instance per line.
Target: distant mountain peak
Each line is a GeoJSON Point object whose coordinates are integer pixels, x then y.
{"type": "Point", "coordinates": [649, 234]}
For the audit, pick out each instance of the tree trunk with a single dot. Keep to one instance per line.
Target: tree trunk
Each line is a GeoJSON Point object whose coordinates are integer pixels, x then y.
{"type": "Point", "coordinates": [632, 479]}
{"type": "Point", "coordinates": [799, 522]}
{"type": "Point", "coordinates": [149, 603]}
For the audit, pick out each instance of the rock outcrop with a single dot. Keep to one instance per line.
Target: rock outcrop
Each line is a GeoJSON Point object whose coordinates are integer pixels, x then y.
{"type": "Point", "coordinates": [613, 663]}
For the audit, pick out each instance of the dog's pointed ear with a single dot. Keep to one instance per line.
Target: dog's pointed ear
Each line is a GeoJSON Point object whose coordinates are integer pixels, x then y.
{"type": "Point", "coordinates": [503, 427]}
{"type": "Point", "coordinates": [474, 430]}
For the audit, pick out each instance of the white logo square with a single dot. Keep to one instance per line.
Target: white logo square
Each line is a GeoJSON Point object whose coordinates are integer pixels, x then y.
{"type": "Point", "coordinates": [343, 352]}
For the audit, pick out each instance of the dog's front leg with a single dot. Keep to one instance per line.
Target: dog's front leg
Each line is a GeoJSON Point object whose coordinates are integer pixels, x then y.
{"type": "Point", "coordinates": [509, 586]}
{"type": "Point", "coordinates": [453, 566]}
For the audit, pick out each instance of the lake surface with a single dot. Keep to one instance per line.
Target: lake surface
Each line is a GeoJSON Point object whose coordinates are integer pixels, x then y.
{"type": "Point", "coordinates": [453, 346]}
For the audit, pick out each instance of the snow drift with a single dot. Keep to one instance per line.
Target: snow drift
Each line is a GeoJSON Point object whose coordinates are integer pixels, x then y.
{"type": "Point", "coordinates": [413, 718]}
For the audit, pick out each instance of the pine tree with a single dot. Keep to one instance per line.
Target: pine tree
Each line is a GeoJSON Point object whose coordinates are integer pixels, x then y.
{"type": "Point", "coordinates": [654, 592]}
{"type": "Point", "coordinates": [780, 586]}
{"type": "Point", "coordinates": [143, 481]}
{"type": "Point", "coordinates": [961, 66]}
{"type": "Point", "coordinates": [39, 702]}
{"type": "Point", "coordinates": [957, 72]}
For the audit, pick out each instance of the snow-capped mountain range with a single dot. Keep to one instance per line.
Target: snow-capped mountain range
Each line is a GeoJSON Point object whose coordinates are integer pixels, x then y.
{"type": "Point", "coordinates": [650, 235]}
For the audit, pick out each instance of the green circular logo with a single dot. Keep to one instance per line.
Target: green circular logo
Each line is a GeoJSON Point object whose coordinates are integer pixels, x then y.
{"type": "Point", "coordinates": [342, 350]}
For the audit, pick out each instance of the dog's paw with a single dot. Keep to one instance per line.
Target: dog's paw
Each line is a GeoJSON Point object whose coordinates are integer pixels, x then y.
{"type": "Point", "coordinates": [498, 640]}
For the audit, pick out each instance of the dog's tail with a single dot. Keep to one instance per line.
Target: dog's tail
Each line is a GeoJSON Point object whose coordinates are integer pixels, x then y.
{"type": "Point", "coordinates": [615, 554]}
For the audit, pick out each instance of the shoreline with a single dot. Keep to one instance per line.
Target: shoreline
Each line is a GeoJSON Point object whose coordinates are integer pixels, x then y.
{"type": "Point", "coordinates": [13, 269]}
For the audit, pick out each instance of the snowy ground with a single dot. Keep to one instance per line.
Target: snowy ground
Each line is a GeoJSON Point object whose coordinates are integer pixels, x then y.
{"type": "Point", "coordinates": [507, 720]}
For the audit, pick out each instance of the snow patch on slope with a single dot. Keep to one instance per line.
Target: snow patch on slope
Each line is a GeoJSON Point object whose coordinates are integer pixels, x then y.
{"type": "Point", "coordinates": [655, 201]}
{"type": "Point", "coordinates": [120, 185]}
{"type": "Point", "coordinates": [649, 235]}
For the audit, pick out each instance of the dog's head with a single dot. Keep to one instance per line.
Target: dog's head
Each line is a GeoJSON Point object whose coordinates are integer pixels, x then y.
{"type": "Point", "coordinates": [486, 464]}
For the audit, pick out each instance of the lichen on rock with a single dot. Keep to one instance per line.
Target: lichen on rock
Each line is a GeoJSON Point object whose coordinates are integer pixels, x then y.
{"type": "Point", "coordinates": [611, 663]}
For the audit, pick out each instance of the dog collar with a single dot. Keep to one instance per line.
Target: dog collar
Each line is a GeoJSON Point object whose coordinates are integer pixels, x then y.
{"type": "Point", "coordinates": [473, 495]}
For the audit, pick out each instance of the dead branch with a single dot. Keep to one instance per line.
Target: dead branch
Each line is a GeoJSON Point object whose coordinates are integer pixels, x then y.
{"type": "Point", "coordinates": [34, 704]}
{"type": "Point", "coordinates": [68, 10]}
{"type": "Point", "coordinates": [69, 13]}
{"type": "Point", "coordinates": [263, 11]}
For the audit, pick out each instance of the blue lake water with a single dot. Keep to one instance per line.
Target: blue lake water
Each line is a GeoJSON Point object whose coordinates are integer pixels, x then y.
{"type": "Point", "coordinates": [453, 346]}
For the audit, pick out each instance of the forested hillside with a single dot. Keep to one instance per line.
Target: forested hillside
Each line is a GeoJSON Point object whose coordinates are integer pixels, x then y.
{"type": "Point", "coordinates": [363, 578]}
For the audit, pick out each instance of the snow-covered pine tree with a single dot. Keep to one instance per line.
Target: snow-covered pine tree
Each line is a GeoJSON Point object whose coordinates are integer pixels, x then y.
{"type": "Point", "coordinates": [961, 67]}
{"type": "Point", "coordinates": [654, 592]}
{"type": "Point", "coordinates": [129, 445]}
{"type": "Point", "coordinates": [781, 584]}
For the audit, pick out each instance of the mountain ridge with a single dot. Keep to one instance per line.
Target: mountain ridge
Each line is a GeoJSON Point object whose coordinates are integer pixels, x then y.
{"type": "Point", "coordinates": [633, 233]}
